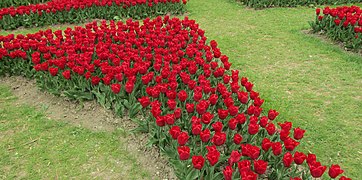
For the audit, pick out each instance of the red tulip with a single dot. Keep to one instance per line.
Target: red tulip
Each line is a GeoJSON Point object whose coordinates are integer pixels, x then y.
{"type": "Point", "coordinates": [260, 166]}
{"type": "Point", "coordinates": [182, 138]}
{"type": "Point", "coordinates": [277, 148]}
{"type": "Point", "coordinates": [217, 126]}
{"type": "Point", "coordinates": [198, 162]}
{"type": "Point", "coordinates": [317, 170]}
{"type": "Point", "coordinates": [212, 155]}
{"type": "Point", "coordinates": [299, 158]}
{"type": "Point", "coordinates": [196, 128]}
{"type": "Point", "coordinates": [298, 133]}
{"type": "Point", "coordinates": [184, 152]}
{"type": "Point", "coordinates": [244, 165]}
{"type": "Point", "coordinates": [266, 144]}
{"type": "Point", "coordinates": [116, 88]}
{"type": "Point", "coordinates": [334, 171]}
{"type": "Point", "coordinates": [228, 173]}
{"type": "Point", "coordinates": [234, 157]}
{"type": "Point", "coordinates": [66, 74]}
{"type": "Point", "coordinates": [144, 101]}
{"type": "Point", "coordinates": [233, 123]}
{"type": "Point", "coordinates": [53, 71]}
{"type": "Point", "coordinates": [219, 138]}
{"type": "Point", "coordinates": [175, 131]}
{"type": "Point", "coordinates": [272, 114]}
{"type": "Point", "coordinates": [205, 135]}
{"type": "Point", "coordinates": [182, 95]}
{"type": "Point", "coordinates": [237, 138]}
{"type": "Point", "coordinates": [253, 129]}
{"type": "Point", "coordinates": [287, 159]}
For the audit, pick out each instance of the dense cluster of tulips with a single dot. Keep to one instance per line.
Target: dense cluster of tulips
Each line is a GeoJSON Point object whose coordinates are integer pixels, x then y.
{"type": "Point", "coordinates": [292, 3]}
{"type": "Point", "coordinates": [207, 119]}
{"type": "Point", "coordinates": [342, 24]}
{"type": "Point", "coordinates": [76, 11]}
{"type": "Point", "coordinates": [16, 3]}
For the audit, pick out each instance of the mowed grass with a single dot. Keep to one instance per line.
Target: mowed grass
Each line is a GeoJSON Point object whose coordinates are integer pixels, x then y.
{"type": "Point", "coordinates": [34, 147]}
{"type": "Point", "coordinates": [312, 83]}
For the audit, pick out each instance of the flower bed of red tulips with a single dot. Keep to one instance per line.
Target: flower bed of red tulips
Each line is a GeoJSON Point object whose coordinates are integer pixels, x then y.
{"type": "Point", "coordinates": [76, 11]}
{"type": "Point", "coordinates": [342, 24]}
{"type": "Point", "coordinates": [292, 3]}
{"type": "Point", "coordinates": [199, 112]}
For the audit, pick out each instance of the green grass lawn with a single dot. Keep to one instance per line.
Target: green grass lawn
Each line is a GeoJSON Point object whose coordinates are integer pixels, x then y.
{"type": "Point", "coordinates": [312, 83]}
{"type": "Point", "coordinates": [34, 147]}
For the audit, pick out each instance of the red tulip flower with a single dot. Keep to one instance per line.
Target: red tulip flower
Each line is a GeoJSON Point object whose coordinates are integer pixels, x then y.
{"type": "Point", "coordinates": [334, 171]}
{"type": "Point", "coordinates": [198, 162]}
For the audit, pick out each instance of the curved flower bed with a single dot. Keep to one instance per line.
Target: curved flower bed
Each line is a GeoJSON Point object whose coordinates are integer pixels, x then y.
{"type": "Point", "coordinates": [342, 24]}
{"type": "Point", "coordinates": [76, 11]}
{"type": "Point", "coordinates": [292, 3]}
{"type": "Point", "coordinates": [198, 111]}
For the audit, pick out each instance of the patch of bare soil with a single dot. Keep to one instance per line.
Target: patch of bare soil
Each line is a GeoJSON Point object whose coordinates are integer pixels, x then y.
{"type": "Point", "coordinates": [92, 116]}
{"type": "Point", "coordinates": [324, 38]}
